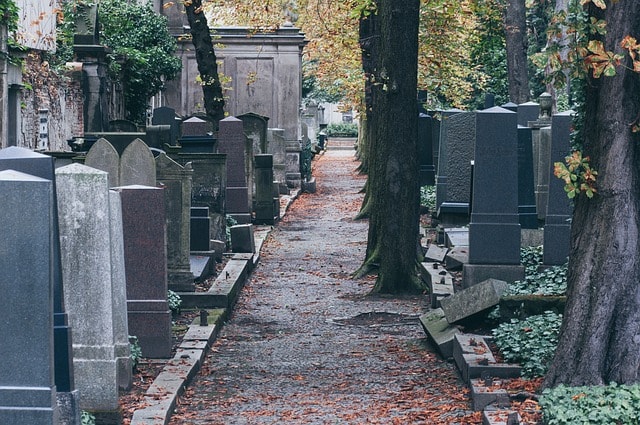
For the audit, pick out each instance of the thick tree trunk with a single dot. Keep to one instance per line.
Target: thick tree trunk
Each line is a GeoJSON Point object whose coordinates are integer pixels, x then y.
{"type": "Point", "coordinates": [515, 21]}
{"type": "Point", "coordinates": [600, 336]}
{"type": "Point", "coordinates": [393, 166]}
{"type": "Point", "coordinates": [206, 59]}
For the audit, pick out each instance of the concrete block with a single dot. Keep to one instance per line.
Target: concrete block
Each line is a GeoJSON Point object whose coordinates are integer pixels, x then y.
{"type": "Point", "coordinates": [456, 258]}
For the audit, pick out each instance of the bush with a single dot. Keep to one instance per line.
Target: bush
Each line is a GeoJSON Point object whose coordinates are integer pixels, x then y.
{"type": "Point", "coordinates": [428, 197]}
{"type": "Point", "coordinates": [531, 342]}
{"type": "Point", "coordinates": [345, 129]}
{"type": "Point", "coordinates": [135, 351]}
{"type": "Point", "coordinates": [596, 405]}
{"type": "Point", "coordinates": [174, 301]}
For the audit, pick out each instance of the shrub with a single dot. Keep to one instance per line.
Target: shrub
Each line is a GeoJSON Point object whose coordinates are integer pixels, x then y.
{"type": "Point", "coordinates": [135, 351]}
{"type": "Point", "coordinates": [531, 342]}
{"type": "Point", "coordinates": [595, 405]}
{"type": "Point", "coordinates": [345, 129]}
{"type": "Point", "coordinates": [428, 197]}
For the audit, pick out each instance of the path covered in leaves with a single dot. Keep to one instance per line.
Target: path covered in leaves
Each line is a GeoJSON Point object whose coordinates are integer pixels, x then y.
{"type": "Point", "coordinates": [307, 345]}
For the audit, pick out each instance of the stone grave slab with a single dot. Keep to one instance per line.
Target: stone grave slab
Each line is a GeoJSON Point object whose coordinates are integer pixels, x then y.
{"type": "Point", "coordinates": [457, 258]}
{"type": "Point", "coordinates": [472, 300]}
{"type": "Point", "coordinates": [456, 236]}
{"type": "Point", "coordinates": [474, 359]}
{"type": "Point", "coordinates": [436, 253]}
{"type": "Point", "coordinates": [440, 331]}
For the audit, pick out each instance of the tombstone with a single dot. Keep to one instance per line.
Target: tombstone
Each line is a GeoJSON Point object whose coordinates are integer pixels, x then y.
{"type": "Point", "coordinates": [528, 111]}
{"type": "Point", "coordinates": [293, 174]}
{"type": "Point", "coordinates": [176, 181]}
{"type": "Point", "coordinates": [242, 239]}
{"type": "Point", "coordinates": [277, 147]}
{"type": "Point", "coordinates": [208, 187]}
{"type": "Point", "coordinates": [199, 239]}
{"type": "Point", "coordinates": [196, 136]}
{"type": "Point", "coordinates": [541, 142]}
{"type": "Point", "coordinates": [528, 216]}
{"type": "Point", "coordinates": [122, 126]}
{"type": "Point", "coordinates": [453, 185]}
{"type": "Point", "coordinates": [165, 115]}
{"type": "Point", "coordinates": [119, 293]}
{"type": "Point", "coordinates": [489, 100]}
{"type": "Point", "coordinates": [557, 228]}
{"type": "Point", "coordinates": [144, 233]}
{"type": "Point", "coordinates": [233, 143]}
{"type": "Point", "coordinates": [494, 231]}
{"type": "Point", "coordinates": [473, 300]}
{"type": "Point", "coordinates": [255, 127]}
{"type": "Point", "coordinates": [27, 387]}
{"type": "Point", "coordinates": [425, 150]}
{"type": "Point", "coordinates": [39, 165]}
{"type": "Point", "coordinates": [509, 106]}
{"type": "Point", "coordinates": [137, 165]}
{"type": "Point", "coordinates": [85, 234]}
{"type": "Point", "coordinates": [267, 207]}
{"type": "Point", "coordinates": [103, 156]}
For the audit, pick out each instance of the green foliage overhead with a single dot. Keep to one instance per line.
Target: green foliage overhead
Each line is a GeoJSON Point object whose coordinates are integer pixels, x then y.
{"type": "Point", "coordinates": [143, 51]}
{"type": "Point", "coordinates": [9, 14]}
{"type": "Point", "coordinates": [595, 405]}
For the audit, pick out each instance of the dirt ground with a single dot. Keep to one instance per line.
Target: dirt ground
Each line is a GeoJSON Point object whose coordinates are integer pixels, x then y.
{"type": "Point", "coordinates": [307, 345]}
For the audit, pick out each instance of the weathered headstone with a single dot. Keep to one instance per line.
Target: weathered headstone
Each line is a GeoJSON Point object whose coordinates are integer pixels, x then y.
{"type": "Point", "coordinates": [541, 143]}
{"type": "Point", "coordinates": [85, 234]}
{"type": "Point", "coordinates": [103, 156]}
{"type": "Point", "coordinates": [293, 172]}
{"type": "Point", "coordinates": [277, 148]}
{"type": "Point", "coordinates": [199, 230]}
{"type": "Point", "coordinates": [119, 293]}
{"type": "Point", "coordinates": [176, 181]}
{"type": "Point", "coordinates": [528, 111]}
{"type": "Point", "coordinates": [473, 300]}
{"type": "Point", "coordinates": [255, 127]}
{"type": "Point", "coordinates": [425, 150]}
{"type": "Point", "coordinates": [233, 142]}
{"type": "Point", "coordinates": [196, 136]}
{"type": "Point", "coordinates": [453, 186]}
{"type": "Point", "coordinates": [242, 239]}
{"type": "Point", "coordinates": [43, 166]}
{"type": "Point", "coordinates": [27, 388]}
{"type": "Point", "coordinates": [165, 115]}
{"type": "Point", "coordinates": [144, 231]}
{"type": "Point", "coordinates": [526, 197]}
{"type": "Point", "coordinates": [557, 229]}
{"type": "Point", "coordinates": [439, 330]}
{"type": "Point", "coordinates": [137, 165]}
{"type": "Point", "coordinates": [267, 207]}
{"type": "Point", "coordinates": [494, 231]}
{"type": "Point", "coordinates": [208, 188]}
{"type": "Point", "coordinates": [513, 107]}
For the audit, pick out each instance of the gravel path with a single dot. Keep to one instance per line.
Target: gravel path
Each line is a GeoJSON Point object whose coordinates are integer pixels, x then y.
{"type": "Point", "coordinates": [307, 345]}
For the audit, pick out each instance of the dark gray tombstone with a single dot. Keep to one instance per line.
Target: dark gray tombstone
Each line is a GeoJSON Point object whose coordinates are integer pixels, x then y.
{"type": "Point", "coordinates": [103, 156]}
{"type": "Point", "coordinates": [425, 150]}
{"type": "Point", "coordinates": [177, 182]}
{"type": "Point", "coordinates": [199, 230]}
{"type": "Point", "coordinates": [144, 227]}
{"type": "Point", "coordinates": [39, 165]}
{"type": "Point", "coordinates": [557, 229]}
{"type": "Point", "coordinates": [255, 127]}
{"type": "Point", "coordinates": [165, 115]}
{"type": "Point", "coordinates": [494, 231]}
{"type": "Point", "coordinates": [267, 206]}
{"type": "Point", "coordinates": [137, 165]}
{"type": "Point", "coordinates": [489, 100]}
{"type": "Point", "coordinates": [197, 136]}
{"type": "Point", "coordinates": [242, 240]}
{"type": "Point", "coordinates": [233, 143]}
{"type": "Point", "coordinates": [27, 388]}
{"type": "Point", "coordinates": [453, 185]}
{"type": "Point", "coordinates": [208, 187]}
{"type": "Point", "coordinates": [528, 111]}
{"type": "Point", "coordinates": [526, 197]}
{"type": "Point", "coordinates": [509, 106]}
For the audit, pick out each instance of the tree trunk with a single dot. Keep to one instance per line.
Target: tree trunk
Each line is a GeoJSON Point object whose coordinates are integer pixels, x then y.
{"type": "Point", "coordinates": [515, 21]}
{"type": "Point", "coordinates": [206, 59]}
{"type": "Point", "coordinates": [393, 165]}
{"type": "Point", "coordinates": [600, 336]}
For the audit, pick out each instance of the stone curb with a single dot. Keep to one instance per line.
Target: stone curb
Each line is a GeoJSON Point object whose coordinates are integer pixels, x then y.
{"type": "Point", "coordinates": [161, 397]}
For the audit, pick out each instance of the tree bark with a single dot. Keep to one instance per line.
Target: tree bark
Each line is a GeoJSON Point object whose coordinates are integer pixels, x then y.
{"type": "Point", "coordinates": [600, 336]}
{"type": "Point", "coordinates": [393, 166]}
{"type": "Point", "coordinates": [206, 59]}
{"type": "Point", "coordinates": [515, 21]}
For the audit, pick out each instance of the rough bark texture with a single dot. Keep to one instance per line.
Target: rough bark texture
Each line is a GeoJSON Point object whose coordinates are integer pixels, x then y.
{"type": "Point", "coordinates": [393, 168]}
{"type": "Point", "coordinates": [600, 337]}
{"type": "Point", "coordinates": [516, 42]}
{"type": "Point", "coordinates": [206, 59]}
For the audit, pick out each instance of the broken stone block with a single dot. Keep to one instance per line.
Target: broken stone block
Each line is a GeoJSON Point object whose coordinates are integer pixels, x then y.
{"type": "Point", "coordinates": [456, 258]}
{"type": "Point", "coordinates": [473, 300]}
{"type": "Point", "coordinates": [439, 331]}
